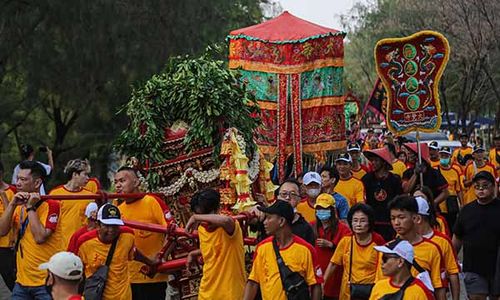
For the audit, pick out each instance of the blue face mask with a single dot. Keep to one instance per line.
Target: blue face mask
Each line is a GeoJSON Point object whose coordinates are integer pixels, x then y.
{"type": "Point", "coordinates": [324, 215]}
{"type": "Point", "coordinates": [444, 161]}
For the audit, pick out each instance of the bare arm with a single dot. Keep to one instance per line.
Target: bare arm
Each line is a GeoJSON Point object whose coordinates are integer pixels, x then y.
{"type": "Point", "coordinates": [442, 197]}
{"type": "Point", "coordinates": [251, 290]}
{"type": "Point", "coordinates": [329, 271]}
{"type": "Point", "coordinates": [457, 244]}
{"type": "Point", "coordinates": [316, 292]}
{"type": "Point", "coordinates": [40, 233]}
{"type": "Point", "coordinates": [6, 218]}
{"type": "Point", "coordinates": [138, 256]}
{"type": "Point", "coordinates": [50, 159]}
{"type": "Point", "coordinates": [440, 294]}
{"type": "Point", "coordinates": [408, 185]}
{"type": "Point", "coordinates": [455, 286]}
{"type": "Point", "coordinates": [225, 222]}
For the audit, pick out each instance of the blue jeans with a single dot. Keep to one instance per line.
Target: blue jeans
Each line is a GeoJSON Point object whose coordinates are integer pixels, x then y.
{"type": "Point", "coordinates": [30, 293]}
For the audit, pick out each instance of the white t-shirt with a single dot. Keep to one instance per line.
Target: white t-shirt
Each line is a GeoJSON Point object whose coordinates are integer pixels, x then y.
{"type": "Point", "coordinates": [47, 168]}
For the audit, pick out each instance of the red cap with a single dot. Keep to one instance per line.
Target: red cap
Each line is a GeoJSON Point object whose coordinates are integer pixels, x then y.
{"type": "Point", "coordinates": [424, 149]}
{"type": "Point", "coordinates": [383, 153]}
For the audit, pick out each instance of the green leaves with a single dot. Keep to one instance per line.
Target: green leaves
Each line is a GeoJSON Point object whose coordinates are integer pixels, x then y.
{"type": "Point", "coordinates": [199, 91]}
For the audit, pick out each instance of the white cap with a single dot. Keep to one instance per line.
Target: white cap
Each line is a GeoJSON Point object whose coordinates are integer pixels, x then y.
{"type": "Point", "coordinates": [65, 265]}
{"type": "Point", "coordinates": [311, 177]}
{"type": "Point", "coordinates": [399, 247]}
{"type": "Point", "coordinates": [91, 207]}
{"type": "Point", "coordinates": [423, 206]}
{"type": "Point", "coordinates": [109, 214]}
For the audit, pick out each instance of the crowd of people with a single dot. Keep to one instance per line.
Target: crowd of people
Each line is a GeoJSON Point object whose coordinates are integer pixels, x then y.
{"type": "Point", "coordinates": [377, 224]}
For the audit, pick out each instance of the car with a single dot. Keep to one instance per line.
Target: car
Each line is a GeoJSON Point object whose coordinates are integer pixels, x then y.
{"type": "Point", "coordinates": [439, 136]}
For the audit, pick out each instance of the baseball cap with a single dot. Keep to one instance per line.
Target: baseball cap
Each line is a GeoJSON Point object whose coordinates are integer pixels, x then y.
{"type": "Point", "coordinates": [109, 214]}
{"type": "Point", "coordinates": [91, 207]}
{"type": "Point", "coordinates": [477, 148]}
{"type": "Point", "coordinates": [65, 265]}
{"type": "Point", "coordinates": [344, 157]}
{"type": "Point", "coordinates": [325, 200]}
{"type": "Point", "coordinates": [280, 208]}
{"type": "Point", "coordinates": [484, 175]}
{"type": "Point", "coordinates": [311, 177]}
{"type": "Point", "coordinates": [445, 149]}
{"type": "Point", "coordinates": [399, 247]}
{"type": "Point", "coordinates": [434, 145]}
{"type": "Point", "coordinates": [423, 206]}
{"type": "Point", "coordinates": [353, 147]}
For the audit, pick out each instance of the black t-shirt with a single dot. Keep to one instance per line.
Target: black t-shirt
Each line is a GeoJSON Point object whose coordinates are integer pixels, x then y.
{"type": "Point", "coordinates": [432, 179]}
{"type": "Point", "coordinates": [478, 226]}
{"type": "Point", "coordinates": [379, 192]}
{"type": "Point", "coordinates": [304, 230]}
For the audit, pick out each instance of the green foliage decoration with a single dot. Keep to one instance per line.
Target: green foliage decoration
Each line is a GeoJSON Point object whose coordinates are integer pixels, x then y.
{"type": "Point", "coordinates": [203, 93]}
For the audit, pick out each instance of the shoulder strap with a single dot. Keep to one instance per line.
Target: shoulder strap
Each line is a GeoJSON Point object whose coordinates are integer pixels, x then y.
{"type": "Point", "coordinates": [282, 267]}
{"type": "Point", "coordinates": [111, 251]}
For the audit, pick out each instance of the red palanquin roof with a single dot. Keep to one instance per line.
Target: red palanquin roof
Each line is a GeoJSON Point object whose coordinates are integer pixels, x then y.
{"type": "Point", "coordinates": [286, 28]}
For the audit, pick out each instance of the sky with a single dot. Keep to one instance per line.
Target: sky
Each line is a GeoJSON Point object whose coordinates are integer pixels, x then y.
{"type": "Point", "coordinates": [322, 12]}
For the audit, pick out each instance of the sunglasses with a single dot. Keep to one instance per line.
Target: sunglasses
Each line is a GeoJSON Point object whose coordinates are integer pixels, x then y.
{"type": "Point", "coordinates": [386, 257]}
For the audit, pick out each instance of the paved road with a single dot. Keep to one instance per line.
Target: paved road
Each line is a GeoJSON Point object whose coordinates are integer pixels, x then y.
{"type": "Point", "coordinates": [4, 291]}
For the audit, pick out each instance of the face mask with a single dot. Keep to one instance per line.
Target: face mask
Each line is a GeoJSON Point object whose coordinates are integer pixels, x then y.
{"type": "Point", "coordinates": [444, 161]}
{"type": "Point", "coordinates": [313, 193]}
{"type": "Point", "coordinates": [323, 215]}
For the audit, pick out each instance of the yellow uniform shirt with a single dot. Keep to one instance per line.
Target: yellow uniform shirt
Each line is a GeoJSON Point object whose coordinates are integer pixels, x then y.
{"type": "Point", "coordinates": [398, 168]}
{"type": "Point", "coordinates": [299, 256]}
{"type": "Point", "coordinates": [352, 189]}
{"type": "Point", "coordinates": [30, 254]}
{"type": "Point", "coordinates": [435, 163]}
{"type": "Point", "coordinates": [428, 255]}
{"type": "Point", "coordinates": [359, 173]}
{"type": "Point", "coordinates": [7, 241]}
{"type": "Point", "coordinates": [470, 171]}
{"type": "Point", "coordinates": [93, 185]}
{"type": "Point", "coordinates": [449, 257]}
{"type": "Point", "coordinates": [93, 253]}
{"type": "Point", "coordinates": [452, 176]}
{"type": "Point", "coordinates": [415, 291]}
{"type": "Point", "coordinates": [307, 211]}
{"type": "Point", "coordinates": [150, 209]}
{"type": "Point", "coordinates": [459, 152]}
{"type": "Point", "coordinates": [224, 275]}
{"type": "Point", "coordinates": [72, 215]}
{"type": "Point", "coordinates": [364, 262]}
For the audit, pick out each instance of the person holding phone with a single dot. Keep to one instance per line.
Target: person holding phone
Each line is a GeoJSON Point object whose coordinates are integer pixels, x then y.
{"type": "Point", "coordinates": [28, 153]}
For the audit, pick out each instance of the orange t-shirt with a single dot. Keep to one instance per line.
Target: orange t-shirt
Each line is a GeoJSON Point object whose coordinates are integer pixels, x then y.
{"type": "Point", "coordinates": [93, 253]}
{"type": "Point", "coordinates": [72, 213]}
{"type": "Point", "coordinates": [224, 274]}
{"type": "Point", "coordinates": [93, 185]}
{"type": "Point", "coordinates": [8, 240]}
{"type": "Point", "coordinates": [307, 211]}
{"type": "Point", "coordinates": [359, 173]}
{"type": "Point", "coordinates": [415, 291]}
{"type": "Point", "coordinates": [150, 209]}
{"type": "Point", "coordinates": [459, 152]}
{"type": "Point", "coordinates": [299, 256]}
{"type": "Point", "coordinates": [449, 257]}
{"type": "Point", "coordinates": [452, 176]}
{"type": "Point", "coordinates": [470, 171]}
{"type": "Point", "coordinates": [352, 189]}
{"type": "Point", "coordinates": [364, 262]}
{"type": "Point", "coordinates": [30, 254]}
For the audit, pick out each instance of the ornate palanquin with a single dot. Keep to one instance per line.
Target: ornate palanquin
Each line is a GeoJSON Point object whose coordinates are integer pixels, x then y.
{"type": "Point", "coordinates": [295, 70]}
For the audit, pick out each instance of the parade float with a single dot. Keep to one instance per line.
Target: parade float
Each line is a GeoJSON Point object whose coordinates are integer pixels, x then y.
{"type": "Point", "coordinates": [295, 70]}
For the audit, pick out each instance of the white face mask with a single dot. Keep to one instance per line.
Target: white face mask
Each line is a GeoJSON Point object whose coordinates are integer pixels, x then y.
{"type": "Point", "coordinates": [313, 193]}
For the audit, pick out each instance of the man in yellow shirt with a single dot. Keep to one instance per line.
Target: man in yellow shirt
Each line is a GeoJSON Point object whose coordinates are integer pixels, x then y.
{"type": "Point", "coordinates": [358, 170]}
{"type": "Point", "coordinates": [348, 186]}
{"type": "Point", "coordinates": [72, 211]}
{"type": "Point", "coordinates": [451, 172]}
{"type": "Point", "coordinates": [7, 262]}
{"type": "Point", "coordinates": [404, 219]}
{"type": "Point", "coordinates": [148, 209]}
{"type": "Point", "coordinates": [460, 152]}
{"type": "Point", "coordinates": [397, 261]}
{"type": "Point", "coordinates": [93, 248]}
{"type": "Point", "coordinates": [298, 255]}
{"type": "Point", "coordinates": [450, 267]}
{"type": "Point", "coordinates": [494, 155]}
{"type": "Point", "coordinates": [477, 165]}
{"type": "Point", "coordinates": [398, 166]}
{"type": "Point", "coordinates": [37, 222]}
{"type": "Point", "coordinates": [434, 154]}
{"type": "Point", "coordinates": [221, 247]}
{"type": "Point", "coordinates": [312, 184]}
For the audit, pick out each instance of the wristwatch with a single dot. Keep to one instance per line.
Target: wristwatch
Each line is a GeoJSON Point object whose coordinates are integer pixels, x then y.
{"type": "Point", "coordinates": [30, 208]}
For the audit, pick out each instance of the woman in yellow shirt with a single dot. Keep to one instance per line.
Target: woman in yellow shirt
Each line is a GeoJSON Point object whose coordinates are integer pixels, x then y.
{"type": "Point", "coordinates": [355, 253]}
